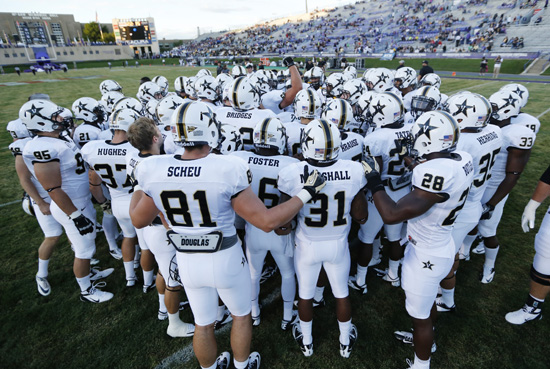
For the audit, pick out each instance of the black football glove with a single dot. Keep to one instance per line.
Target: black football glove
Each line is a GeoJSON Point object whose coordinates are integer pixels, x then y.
{"type": "Point", "coordinates": [288, 62]}
{"type": "Point", "coordinates": [372, 174]}
{"type": "Point", "coordinates": [314, 182]}
{"type": "Point", "coordinates": [487, 212]}
{"type": "Point", "coordinates": [83, 224]}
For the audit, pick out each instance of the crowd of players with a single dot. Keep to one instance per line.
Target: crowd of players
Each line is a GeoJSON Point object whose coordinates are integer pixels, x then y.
{"type": "Point", "coordinates": [209, 178]}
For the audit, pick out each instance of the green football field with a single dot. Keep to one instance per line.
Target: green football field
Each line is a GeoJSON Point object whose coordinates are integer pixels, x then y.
{"type": "Point", "coordinates": [59, 331]}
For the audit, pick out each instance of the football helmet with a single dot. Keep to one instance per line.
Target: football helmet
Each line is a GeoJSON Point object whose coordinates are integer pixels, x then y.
{"type": "Point", "coordinates": [404, 77]}
{"type": "Point", "coordinates": [307, 104]}
{"type": "Point", "coordinates": [130, 103]}
{"type": "Point", "coordinates": [351, 70]}
{"type": "Point", "coordinates": [386, 108]}
{"type": "Point", "coordinates": [109, 85]}
{"type": "Point", "coordinates": [431, 79]}
{"type": "Point", "coordinates": [122, 119]}
{"type": "Point", "coordinates": [354, 88]}
{"type": "Point", "coordinates": [317, 77]}
{"type": "Point", "coordinates": [270, 134]}
{"type": "Point", "coordinates": [206, 88]}
{"type": "Point", "coordinates": [149, 91]}
{"type": "Point", "coordinates": [190, 87]}
{"type": "Point", "coordinates": [17, 129]}
{"type": "Point", "coordinates": [306, 77]}
{"type": "Point", "coordinates": [260, 81]}
{"type": "Point", "coordinates": [426, 98]}
{"type": "Point", "coordinates": [320, 141]}
{"type": "Point", "coordinates": [379, 80]}
{"type": "Point", "coordinates": [469, 110]}
{"type": "Point", "coordinates": [166, 107]}
{"type": "Point", "coordinates": [162, 82]}
{"type": "Point", "coordinates": [434, 131]}
{"type": "Point", "coordinates": [505, 104]}
{"type": "Point", "coordinates": [519, 90]}
{"type": "Point", "coordinates": [193, 124]}
{"type": "Point", "coordinates": [203, 72]}
{"type": "Point", "coordinates": [242, 95]}
{"type": "Point", "coordinates": [338, 112]}
{"type": "Point", "coordinates": [238, 71]}
{"type": "Point", "coordinates": [110, 99]}
{"type": "Point", "coordinates": [221, 80]}
{"type": "Point", "coordinates": [151, 110]}
{"type": "Point", "coordinates": [230, 139]}
{"type": "Point", "coordinates": [335, 84]}
{"type": "Point", "coordinates": [88, 109]}
{"type": "Point", "coordinates": [26, 203]}
{"type": "Point", "coordinates": [42, 116]}
{"type": "Point", "coordinates": [68, 117]}
{"type": "Point", "coordinates": [361, 109]}
{"type": "Point", "coordinates": [179, 84]}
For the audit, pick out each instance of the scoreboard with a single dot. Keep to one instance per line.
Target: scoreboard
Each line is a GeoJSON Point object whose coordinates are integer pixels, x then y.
{"type": "Point", "coordinates": [135, 31]}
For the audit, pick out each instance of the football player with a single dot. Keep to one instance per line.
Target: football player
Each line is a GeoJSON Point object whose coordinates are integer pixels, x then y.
{"type": "Point", "coordinates": [93, 116]}
{"type": "Point", "coordinates": [340, 113]}
{"type": "Point", "coordinates": [56, 162]}
{"type": "Point", "coordinates": [198, 195]}
{"type": "Point", "coordinates": [307, 107]}
{"type": "Point", "coordinates": [323, 228]}
{"type": "Point", "coordinates": [278, 101]}
{"type": "Point", "coordinates": [441, 181]}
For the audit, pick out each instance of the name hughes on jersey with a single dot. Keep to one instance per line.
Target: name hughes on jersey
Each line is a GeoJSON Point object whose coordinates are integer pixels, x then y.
{"type": "Point", "coordinates": [184, 171]}
{"type": "Point", "coordinates": [337, 175]}
{"type": "Point", "coordinates": [111, 152]}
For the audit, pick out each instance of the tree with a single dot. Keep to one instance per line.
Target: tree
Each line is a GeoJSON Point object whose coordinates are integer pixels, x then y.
{"type": "Point", "coordinates": [109, 37]}
{"type": "Point", "coordinates": [91, 32]}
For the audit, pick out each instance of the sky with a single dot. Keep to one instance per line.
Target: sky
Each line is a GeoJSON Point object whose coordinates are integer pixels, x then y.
{"type": "Point", "coordinates": [175, 19]}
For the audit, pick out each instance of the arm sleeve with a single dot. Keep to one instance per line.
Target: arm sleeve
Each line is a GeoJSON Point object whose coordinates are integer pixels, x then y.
{"type": "Point", "coordinates": [546, 176]}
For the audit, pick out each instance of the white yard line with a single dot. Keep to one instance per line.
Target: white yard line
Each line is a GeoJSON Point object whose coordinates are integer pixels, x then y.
{"type": "Point", "coordinates": [544, 112]}
{"type": "Point", "coordinates": [471, 87]}
{"type": "Point", "coordinates": [186, 353]}
{"type": "Point", "coordinates": [9, 203]}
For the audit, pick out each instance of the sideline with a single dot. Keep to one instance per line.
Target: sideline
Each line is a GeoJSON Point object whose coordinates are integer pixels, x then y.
{"type": "Point", "coordinates": [544, 112]}
{"type": "Point", "coordinates": [471, 87]}
{"type": "Point", "coordinates": [10, 203]}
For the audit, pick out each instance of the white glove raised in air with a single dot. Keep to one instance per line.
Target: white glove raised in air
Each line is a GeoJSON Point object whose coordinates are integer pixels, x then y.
{"type": "Point", "coordinates": [528, 216]}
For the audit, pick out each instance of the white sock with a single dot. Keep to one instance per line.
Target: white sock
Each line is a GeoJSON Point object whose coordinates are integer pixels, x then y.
{"type": "Point", "coordinates": [221, 311]}
{"type": "Point", "coordinates": [345, 329]}
{"type": "Point", "coordinates": [240, 364]}
{"type": "Point", "coordinates": [319, 293]}
{"type": "Point", "coordinates": [361, 275]}
{"type": "Point", "coordinates": [148, 277]}
{"type": "Point", "coordinates": [110, 230]}
{"type": "Point", "coordinates": [448, 296]}
{"type": "Point", "coordinates": [129, 270]}
{"type": "Point", "coordinates": [287, 310]}
{"type": "Point", "coordinates": [467, 244]}
{"type": "Point", "coordinates": [393, 269]}
{"type": "Point", "coordinates": [174, 319]}
{"type": "Point", "coordinates": [490, 258]}
{"type": "Point", "coordinates": [376, 248]}
{"type": "Point", "coordinates": [42, 268]}
{"type": "Point", "coordinates": [255, 308]}
{"type": "Point", "coordinates": [211, 367]}
{"type": "Point", "coordinates": [306, 328]}
{"type": "Point", "coordinates": [288, 293]}
{"type": "Point", "coordinates": [162, 304]}
{"type": "Point", "coordinates": [84, 283]}
{"type": "Point", "coordinates": [421, 364]}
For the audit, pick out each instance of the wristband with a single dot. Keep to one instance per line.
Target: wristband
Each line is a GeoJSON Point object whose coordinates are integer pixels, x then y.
{"type": "Point", "coordinates": [304, 195]}
{"type": "Point", "coordinates": [74, 215]}
{"type": "Point", "coordinates": [137, 188]}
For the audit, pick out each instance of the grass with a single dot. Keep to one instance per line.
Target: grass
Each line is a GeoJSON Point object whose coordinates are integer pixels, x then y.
{"type": "Point", "coordinates": [60, 331]}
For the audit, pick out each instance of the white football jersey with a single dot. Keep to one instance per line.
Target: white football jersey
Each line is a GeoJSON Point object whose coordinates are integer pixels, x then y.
{"type": "Point", "coordinates": [108, 160]}
{"type": "Point", "coordinates": [382, 142]}
{"type": "Point", "coordinates": [169, 146]}
{"type": "Point", "coordinates": [85, 133]}
{"type": "Point", "coordinates": [294, 131]}
{"type": "Point", "coordinates": [288, 117]}
{"type": "Point", "coordinates": [133, 158]}
{"type": "Point", "coordinates": [528, 121]}
{"type": "Point", "coordinates": [431, 231]}
{"type": "Point", "coordinates": [244, 121]}
{"type": "Point", "coordinates": [484, 147]}
{"type": "Point", "coordinates": [195, 195]}
{"type": "Point", "coordinates": [105, 135]}
{"type": "Point", "coordinates": [328, 216]}
{"type": "Point", "coordinates": [74, 172]}
{"type": "Point", "coordinates": [351, 146]}
{"type": "Point", "coordinates": [16, 149]}
{"type": "Point", "coordinates": [513, 136]}
{"type": "Point", "coordinates": [272, 99]}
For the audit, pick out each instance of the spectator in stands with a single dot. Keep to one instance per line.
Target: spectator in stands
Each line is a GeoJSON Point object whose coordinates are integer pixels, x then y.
{"type": "Point", "coordinates": [33, 70]}
{"type": "Point", "coordinates": [539, 19]}
{"type": "Point", "coordinates": [401, 64]}
{"type": "Point", "coordinates": [309, 65]}
{"type": "Point", "coordinates": [424, 70]}
{"type": "Point", "coordinates": [496, 69]}
{"type": "Point", "coordinates": [144, 79]}
{"type": "Point", "coordinates": [483, 66]}
{"type": "Point", "coordinates": [18, 71]}
{"type": "Point", "coordinates": [219, 69]}
{"type": "Point", "coordinates": [249, 69]}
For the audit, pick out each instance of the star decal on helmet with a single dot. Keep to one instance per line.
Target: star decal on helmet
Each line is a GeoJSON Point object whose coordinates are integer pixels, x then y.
{"type": "Point", "coordinates": [408, 72]}
{"type": "Point", "coordinates": [306, 139]}
{"type": "Point", "coordinates": [426, 128]}
{"type": "Point", "coordinates": [519, 92]}
{"type": "Point", "coordinates": [427, 265]}
{"type": "Point", "coordinates": [110, 101]}
{"type": "Point", "coordinates": [206, 85]}
{"type": "Point", "coordinates": [510, 100]}
{"type": "Point", "coordinates": [383, 77]}
{"type": "Point", "coordinates": [34, 111]}
{"type": "Point", "coordinates": [82, 106]}
{"type": "Point", "coordinates": [378, 108]}
{"type": "Point", "coordinates": [174, 105]}
{"type": "Point", "coordinates": [463, 108]}
{"type": "Point", "coordinates": [340, 81]}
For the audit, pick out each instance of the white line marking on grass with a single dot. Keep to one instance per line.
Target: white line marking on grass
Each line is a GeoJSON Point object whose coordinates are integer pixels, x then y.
{"type": "Point", "coordinates": [186, 353]}
{"type": "Point", "coordinates": [9, 203]}
{"type": "Point", "coordinates": [471, 87]}
{"type": "Point", "coordinates": [544, 112]}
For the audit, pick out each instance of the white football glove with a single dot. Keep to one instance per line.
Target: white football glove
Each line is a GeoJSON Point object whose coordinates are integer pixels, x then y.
{"type": "Point", "coordinates": [528, 216]}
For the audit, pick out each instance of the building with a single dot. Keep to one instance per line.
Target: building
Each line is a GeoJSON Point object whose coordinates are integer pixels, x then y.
{"type": "Point", "coordinates": [139, 33]}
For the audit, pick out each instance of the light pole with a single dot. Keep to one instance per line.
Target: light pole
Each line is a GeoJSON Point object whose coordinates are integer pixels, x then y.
{"type": "Point", "coordinates": [306, 8]}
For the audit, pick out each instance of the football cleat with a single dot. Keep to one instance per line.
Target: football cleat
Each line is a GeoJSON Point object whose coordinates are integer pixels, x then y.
{"type": "Point", "coordinates": [43, 286]}
{"type": "Point", "coordinates": [136, 260]}
{"type": "Point", "coordinates": [253, 361]}
{"type": "Point", "coordinates": [116, 253]}
{"type": "Point", "coordinates": [100, 274]}
{"type": "Point", "coordinates": [374, 262]}
{"type": "Point", "coordinates": [95, 295]}
{"type": "Point", "coordinates": [286, 324]}
{"type": "Point", "coordinates": [345, 350]}
{"type": "Point", "coordinates": [149, 287]}
{"type": "Point", "coordinates": [464, 257]}
{"type": "Point", "coordinates": [487, 277]}
{"type": "Point", "coordinates": [183, 305]}
{"type": "Point", "coordinates": [222, 362]}
{"type": "Point", "coordinates": [180, 330]}
{"type": "Point", "coordinates": [395, 282]}
{"type": "Point", "coordinates": [307, 350]}
{"type": "Point", "coordinates": [480, 248]}
{"type": "Point", "coordinates": [524, 315]}
{"type": "Point", "coordinates": [131, 282]}
{"type": "Point", "coordinates": [352, 282]}
{"type": "Point", "coordinates": [227, 318]}
{"type": "Point", "coordinates": [267, 273]}
{"type": "Point", "coordinates": [94, 261]}
{"type": "Point", "coordinates": [316, 303]}
{"type": "Point", "coordinates": [98, 227]}
{"type": "Point", "coordinates": [162, 315]}
{"type": "Point", "coordinates": [256, 320]}
{"type": "Point", "coordinates": [407, 337]}
{"type": "Point", "coordinates": [441, 307]}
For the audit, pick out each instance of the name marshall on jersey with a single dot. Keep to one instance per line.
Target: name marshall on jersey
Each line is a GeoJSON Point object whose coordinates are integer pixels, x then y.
{"type": "Point", "coordinates": [184, 171]}
{"type": "Point", "coordinates": [111, 152]}
{"type": "Point", "coordinates": [487, 138]}
{"type": "Point", "coordinates": [338, 175]}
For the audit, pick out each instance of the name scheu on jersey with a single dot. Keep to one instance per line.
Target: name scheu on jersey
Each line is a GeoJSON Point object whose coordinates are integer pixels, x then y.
{"type": "Point", "coordinates": [189, 171]}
